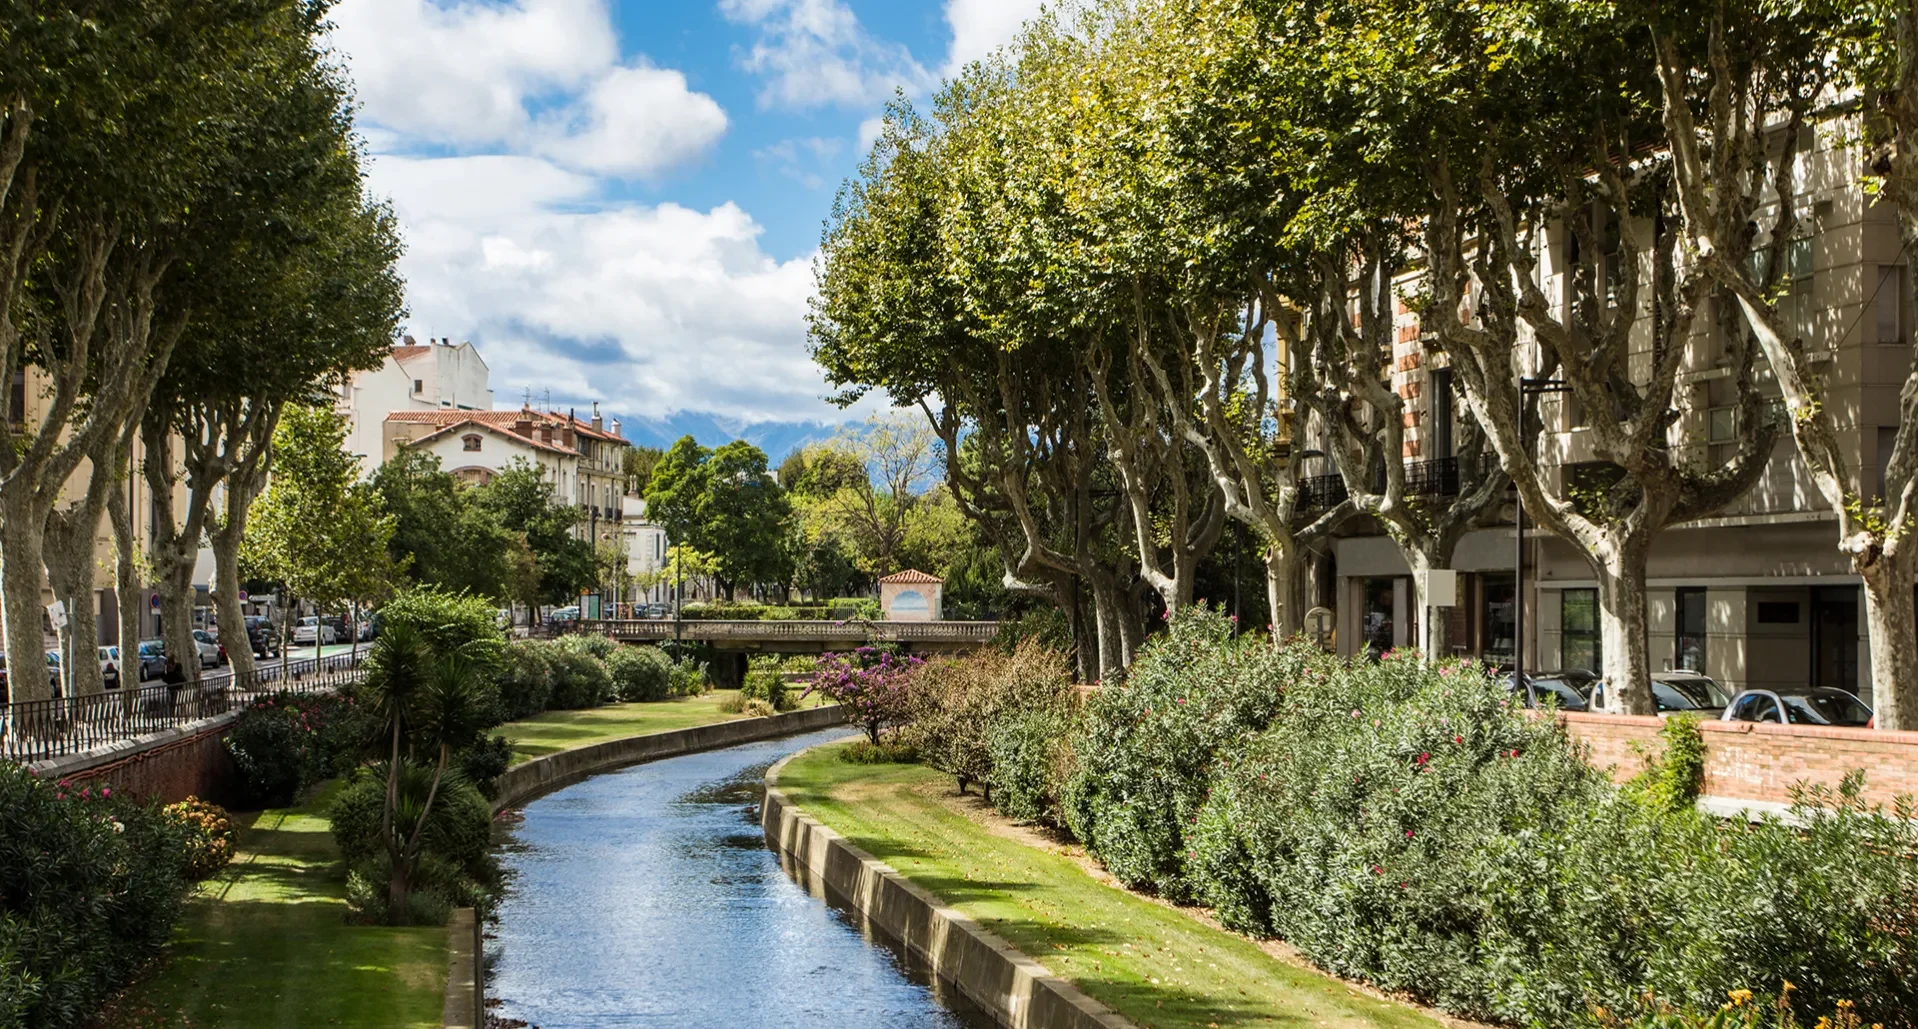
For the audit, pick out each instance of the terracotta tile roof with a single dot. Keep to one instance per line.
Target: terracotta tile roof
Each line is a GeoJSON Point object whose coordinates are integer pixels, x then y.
{"type": "Point", "coordinates": [405, 354]}
{"type": "Point", "coordinates": [912, 575]}
{"type": "Point", "coordinates": [502, 422]}
{"type": "Point", "coordinates": [585, 428]}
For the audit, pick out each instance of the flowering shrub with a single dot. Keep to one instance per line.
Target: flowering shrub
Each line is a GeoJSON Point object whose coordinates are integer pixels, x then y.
{"type": "Point", "coordinates": [286, 742]}
{"type": "Point", "coordinates": [90, 885]}
{"type": "Point", "coordinates": [956, 702]}
{"type": "Point", "coordinates": [525, 680]}
{"type": "Point", "coordinates": [580, 679]}
{"type": "Point", "coordinates": [641, 673]}
{"type": "Point", "coordinates": [1147, 748]}
{"type": "Point", "coordinates": [871, 685]}
{"type": "Point", "coordinates": [208, 836]}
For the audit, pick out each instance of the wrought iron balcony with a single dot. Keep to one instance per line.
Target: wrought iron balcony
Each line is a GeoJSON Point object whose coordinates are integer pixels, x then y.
{"type": "Point", "coordinates": [1437, 477]}
{"type": "Point", "coordinates": [1321, 492]}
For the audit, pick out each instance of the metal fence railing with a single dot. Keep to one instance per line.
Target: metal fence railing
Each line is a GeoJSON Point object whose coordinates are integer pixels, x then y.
{"type": "Point", "coordinates": [37, 730]}
{"type": "Point", "coordinates": [853, 631]}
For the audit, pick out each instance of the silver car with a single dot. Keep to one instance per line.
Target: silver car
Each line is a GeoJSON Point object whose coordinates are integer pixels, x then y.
{"type": "Point", "coordinates": [211, 656]}
{"type": "Point", "coordinates": [1678, 692]}
{"type": "Point", "coordinates": [1819, 705]}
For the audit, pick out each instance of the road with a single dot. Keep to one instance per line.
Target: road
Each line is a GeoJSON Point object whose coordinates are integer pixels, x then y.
{"type": "Point", "coordinates": [296, 654]}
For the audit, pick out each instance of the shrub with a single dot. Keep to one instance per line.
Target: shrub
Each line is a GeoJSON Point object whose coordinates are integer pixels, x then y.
{"type": "Point", "coordinates": [286, 742]}
{"type": "Point", "coordinates": [525, 680]}
{"type": "Point", "coordinates": [90, 886]}
{"type": "Point", "coordinates": [206, 835]}
{"type": "Point", "coordinates": [690, 678]}
{"type": "Point", "coordinates": [866, 752]}
{"type": "Point", "coordinates": [1032, 760]}
{"type": "Point", "coordinates": [766, 680]}
{"type": "Point", "coordinates": [579, 679]}
{"type": "Point", "coordinates": [1147, 748]}
{"type": "Point", "coordinates": [756, 708]}
{"type": "Point", "coordinates": [597, 644]}
{"type": "Point", "coordinates": [956, 702]}
{"type": "Point", "coordinates": [870, 685]}
{"type": "Point", "coordinates": [456, 863]}
{"type": "Point", "coordinates": [732, 703]}
{"type": "Point", "coordinates": [641, 673]}
{"type": "Point", "coordinates": [449, 622]}
{"type": "Point", "coordinates": [486, 761]}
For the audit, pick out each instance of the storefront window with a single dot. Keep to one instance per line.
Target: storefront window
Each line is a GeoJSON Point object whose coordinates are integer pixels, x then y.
{"type": "Point", "coordinates": [1376, 626]}
{"type": "Point", "coordinates": [1500, 625]}
{"type": "Point", "coordinates": [1689, 648]}
{"type": "Point", "coordinates": [1578, 629]}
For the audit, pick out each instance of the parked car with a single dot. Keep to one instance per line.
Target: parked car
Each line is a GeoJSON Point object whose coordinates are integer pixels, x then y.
{"type": "Point", "coordinates": [563, 615]}
{"type": "Point", "coordinates": [212, 654]}
{"type": "Point", "coordinates": [1678, 692]}
{"type": "Point", "coordinates": [110, 667]}
{"type": "Point", "coordinates": [152, 659]}
{"type": "Point", "coordinates": [262, 636]}
{"type": "Point", "coordinates": [306, 629]}
{"type": "Point", "coordinates": [1820, 705]}
{"type": "Point", "coordinates": [655, 611]}
{"type": "Point", "coordinates": [54, 677]}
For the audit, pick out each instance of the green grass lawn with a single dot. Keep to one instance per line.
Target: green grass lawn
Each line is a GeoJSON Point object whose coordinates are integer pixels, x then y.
{"type": "Point", "coordinates": [1158, 966]}
{"type": "Point", "coordinates": [266, 944]}
{"type": "Point", "coordinates": [555, 731]}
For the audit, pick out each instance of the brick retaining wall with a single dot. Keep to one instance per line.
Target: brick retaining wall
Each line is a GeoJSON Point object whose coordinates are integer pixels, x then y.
{"type": "Point", "coordinates": [1751, 762]}
{"type": "Point", "coordinates": [167, 766]}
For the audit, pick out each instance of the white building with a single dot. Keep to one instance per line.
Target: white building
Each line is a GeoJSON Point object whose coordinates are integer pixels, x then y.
{"type": "Point", "coordinates": [646, 546]}
{"type": "Point", "coordinates": [475, 445]}
{"type": "Point", "coordinates": [439, 375]}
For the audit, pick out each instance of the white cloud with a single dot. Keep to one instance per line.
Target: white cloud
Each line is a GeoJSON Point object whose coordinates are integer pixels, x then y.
{"type": "Point", "coordinates": [869, 131]}
{"type": "Point", "coordinates": [814, 53]}
{"type": "Point", "coordinates": [648, 308]}
{"type": "Point", "coordinates": [540, 76]}
{"type": "Point", "coordinates": [981, 26]}
{"type": "Point", "coordinates": [634, 121]}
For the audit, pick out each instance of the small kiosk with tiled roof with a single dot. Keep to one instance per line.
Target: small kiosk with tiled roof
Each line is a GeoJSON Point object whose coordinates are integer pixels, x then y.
{"type": "Point", "coordinates": [911, 596]}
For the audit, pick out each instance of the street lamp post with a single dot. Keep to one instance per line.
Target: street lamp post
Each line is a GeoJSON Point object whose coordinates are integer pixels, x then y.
{"type": "Point", "coordinates": [1526, 387]}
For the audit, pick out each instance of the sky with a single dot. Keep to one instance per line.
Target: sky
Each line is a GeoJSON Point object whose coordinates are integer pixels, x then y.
{"type": "Point", "coordinates": [620, 200]}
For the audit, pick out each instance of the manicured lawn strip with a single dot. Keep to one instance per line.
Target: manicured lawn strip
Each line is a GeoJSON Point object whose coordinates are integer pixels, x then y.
{"type": "Point", "coordinates": [266, 945]}
{"type": "Point", "coordinates": [554, 731]}
{"type": "Point", "coordinates": [1152, 964]}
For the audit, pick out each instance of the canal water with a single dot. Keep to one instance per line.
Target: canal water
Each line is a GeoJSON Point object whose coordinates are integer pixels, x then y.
{"type": "Point", "coordinates": [648, 897]}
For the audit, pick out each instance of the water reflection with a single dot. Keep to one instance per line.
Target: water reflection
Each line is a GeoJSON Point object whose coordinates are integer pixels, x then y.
{"type": "Point", "coordinates": [647, 897]}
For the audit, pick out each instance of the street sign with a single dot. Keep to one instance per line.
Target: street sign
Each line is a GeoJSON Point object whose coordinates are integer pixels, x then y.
{"type": "Point", "coordinates": [58, 612]}
{"type": "Point", "coordinates": [156, 601]}
{"type": "Point", "coordinates": [242, 596]}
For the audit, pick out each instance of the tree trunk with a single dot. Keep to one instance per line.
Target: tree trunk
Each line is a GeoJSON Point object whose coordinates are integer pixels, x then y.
{"type": "Point", "coordinates": [1622, 626]}
{"type": "Point", "coordinates": [226, 600]}
{"type": "Point", "coordinates": [1889, 616]}
{"type": "Point", "coordinates": [173, 574]}
{"type": "Point", "coordinates": [21, 533]}
{"type": "Point", "coordinates": [69, 559]}
{"type": "Point", "coordinates": [126, 580]}
{"type": "Point", "coordinates": [1281, 580]}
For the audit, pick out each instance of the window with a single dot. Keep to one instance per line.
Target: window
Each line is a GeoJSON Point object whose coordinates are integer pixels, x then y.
{"type": "Point", "coordinates": [1499, 592]}
{"type": "Point", "coordinates": [1441, 412]}
{"type": "Point", "coordinates": [1689, 649]}
{"type": "Point", "coordinates": [419, 386]}
{"type": "Point", "coordinates": [1798, 269]}
{"type": "Point", "coordinates": [1721, 434]}
{"type": "Point", "coordinates": [1778, 612]}
{"type": "Point", "coordinates": [1578, 630]}
{"type": "Point", "coordinates": [470, 443]}
{"type": "Point", "coordinates": [1888, 305]}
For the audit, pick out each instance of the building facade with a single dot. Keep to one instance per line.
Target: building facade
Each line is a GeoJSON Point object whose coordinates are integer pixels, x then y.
{"type": "Point", "coordinates": [438, 375]}
{"type": "Point", "coordinates": [1756, 595]}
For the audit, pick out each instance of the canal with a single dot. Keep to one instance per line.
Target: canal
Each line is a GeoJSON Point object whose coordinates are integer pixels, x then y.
{"type": "Point", "coordinates": [648, 897]}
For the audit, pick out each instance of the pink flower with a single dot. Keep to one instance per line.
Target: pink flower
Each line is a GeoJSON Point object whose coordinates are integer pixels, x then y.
{"type": "Point", "coordinates": [1355, 712]}
{"type": "Point", "coordinates": [1423, 758]}
{"type": "Point", "coordinates": [1458, 739]}
{"type": "Point", "coordinates": [105, 792]}
{"type": "Point", "coordinates": [1408, 834]}
{"type": "Point", "coordinates": [1376, 870]}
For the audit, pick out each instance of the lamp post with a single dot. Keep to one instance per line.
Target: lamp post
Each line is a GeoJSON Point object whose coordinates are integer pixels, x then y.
{"type": "Point", "coordinates": [1526, 387]}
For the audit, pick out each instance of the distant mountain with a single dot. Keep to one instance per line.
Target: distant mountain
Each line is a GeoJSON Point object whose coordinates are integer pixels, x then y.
{"type": "Point", "coordinates": [777, 439]}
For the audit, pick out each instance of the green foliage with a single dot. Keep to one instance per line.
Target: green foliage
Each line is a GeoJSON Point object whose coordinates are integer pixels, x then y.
{"type": "Point", "coordinates": [484, 762]}
{"type": "Point", "coordinates": [524, 501]}
{"type": "Point", "coordinates": [207, 836]}
{"type": "Point", "coordinates": [1673, 780]}
{"type": "Point", "coordinates": [956, 704]}
{"type": "Point", "coordinates": [1031, 755]}
{"type": "Point", "coordinates": [580, 679]}
{"type": "Point", "coordinates": [1148, 748]}
{"type": "Point", "coordinates": [525, 682]}
{"type": "Point", "coordinates": [641, 673]}
{"type": "Point", "coordinates": [889, 752]}
{"type": "Point", "coordinates": [725, 503]}
{"type": "Point", "coordinates": [286, 742]}
{"type": "Point", "coordinates": [450, 622]}
{"type": "Point", "coordinates": [442, 535]}
{"type": "Point", "coordinates": [318, 528]}
{"type": "Point", "coordinates": [456, 863]}
{"type": "Point", "coordinates": [90, 886]}
{"type": "Point", "coordinates": [770, 678]}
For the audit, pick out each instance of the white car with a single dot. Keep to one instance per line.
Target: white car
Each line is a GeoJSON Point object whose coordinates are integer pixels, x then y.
{"type": "Point", "coordinates": [212, 655]}
{"type": "Point", "coordinates": [306, 628]}
{"type": "Point", "coordinates": [110, 667]}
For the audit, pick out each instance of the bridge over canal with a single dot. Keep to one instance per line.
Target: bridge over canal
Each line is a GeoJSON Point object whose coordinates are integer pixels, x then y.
{"type": "Point", "coordinates": [800, 637]}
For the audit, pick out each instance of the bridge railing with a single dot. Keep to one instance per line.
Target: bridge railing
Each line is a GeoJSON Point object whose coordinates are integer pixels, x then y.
{"type": "Point", "coordinates": [853, 631]}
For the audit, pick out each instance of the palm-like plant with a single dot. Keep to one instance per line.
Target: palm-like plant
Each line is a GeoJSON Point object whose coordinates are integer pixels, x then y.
{"type": "Point", "coordinates": [427, 702]}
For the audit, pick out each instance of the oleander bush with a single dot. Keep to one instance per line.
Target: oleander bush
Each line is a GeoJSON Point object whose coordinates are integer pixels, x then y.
{"type": "Point", "coordinates": [1031, 753]}
{"type": "Point", "coordinates": [580, 679]}
{"type": "Point", "coordinates": [1147, 748]}
{"type": "Point", "coordinates": [525, 681]}
{"type": "Point", "coordinates": [641, 673]}
{"type": "Point", "coordinates": [956, 704]}
{"type": "Point", "coordinates": [485, 761]}
{"type": "Point", "coordinates": [597, 644]}
{"type": "Point", "coordinates": [91, 884]}
{"type": "Point", "coordinates": [286, 742]}
{"type": "Point", "coordinates": [206, 834]}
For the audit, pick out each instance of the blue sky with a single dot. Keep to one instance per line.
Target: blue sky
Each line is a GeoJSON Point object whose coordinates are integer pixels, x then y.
{"type": "Point", "coordinates": [618, 200]}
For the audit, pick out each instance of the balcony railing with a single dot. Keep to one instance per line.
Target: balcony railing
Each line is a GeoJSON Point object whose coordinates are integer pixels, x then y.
{"type": "Point", "coordinates": [1437, 477]}
{"type": "Point", "coordinates": [1321, 492]}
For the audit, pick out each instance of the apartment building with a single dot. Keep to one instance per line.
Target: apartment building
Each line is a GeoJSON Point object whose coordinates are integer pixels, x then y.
{"type": "Point", "coordinates": [438, 375]}
{"type": "Point", "coordinates": [1755, 596]}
